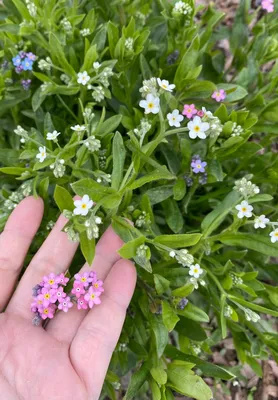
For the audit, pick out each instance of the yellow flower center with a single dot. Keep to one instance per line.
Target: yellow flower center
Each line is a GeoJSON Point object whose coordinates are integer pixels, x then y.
{"type": "Point", "coordinates": [151, 105]}
{"type": "Point", "coordinates": [196, 128]}
{"type": "Point", "coordinates": [84, 205]}
{"type": "Point", "coordinates": [244, 209]}
{"type": "Point", "coordinates": [96, 285]}
{"type": "Point", "coordinates": [45, 311]}
{"type": "Point", "coordinates": [189, 110]}
{"type": "Point", "coordinates": [199, 166]}
{"type": "Point", "coordinates": [92, 296]}
{"type": "Point", "coordinates": [39, 302]}
{"type": "Point", "coordinates": [195, 270]}
{"type": "Point", "coordinates": [51, 281]}
{"type": "Point", "coordinates": [164, 86]}
{"type": "Point", "coordinates": [83, 279]}
{"type": "Point", "coordinates": [276, 234]}
{"type": "Point", "coordinates": [47, 296]}
{"type": "Point", "coordinates": [174, 118]}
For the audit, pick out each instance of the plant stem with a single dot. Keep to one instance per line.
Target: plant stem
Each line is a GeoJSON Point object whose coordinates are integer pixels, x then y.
{"type": "Point", "coordinates": [67, 108]}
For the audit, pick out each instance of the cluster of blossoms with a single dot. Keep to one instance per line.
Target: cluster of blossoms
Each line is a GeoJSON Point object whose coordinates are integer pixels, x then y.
{"type": "Point", "coordinates": [184, 258]}
{"type": "Point", "coordinates": [248, 189]}
{"type": "Point", "coordinates": [45, 65]}
{"type": "Point", "coordinates": [237, 130]}
{"type": "Point", "coordinates": [15, 198]}
{"type": "Point", "coordinates": [85, 32]}
{"type": "Point", "coordinates": [65, 23]}
{"type": "Point", "coordinates": [129, 44]}
{"type": "Point", "coordinates": [31, 8]}
{"type": "Point", "coordinates": [49, 295]}
{"type": "Point", "coordinates": [181, 8]}
{"type": "Point", "coordinates": [91, 222]}
{"type": "Point", "coordinates": [143, 220]}
{"type": "Point", "coordinates": [268, 5]}
{"type": "Point", "coordinates": [23, 61]}
{"type": "Point", "coordinates": [98, 92]}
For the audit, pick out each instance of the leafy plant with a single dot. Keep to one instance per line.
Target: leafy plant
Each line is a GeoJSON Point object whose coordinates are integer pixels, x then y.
{"type": "Point", "coordinates": [91, 95]}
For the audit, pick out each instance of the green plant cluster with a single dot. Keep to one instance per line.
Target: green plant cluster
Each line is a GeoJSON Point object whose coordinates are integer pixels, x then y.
{"type": "Point", "coordinates": [136, 167]}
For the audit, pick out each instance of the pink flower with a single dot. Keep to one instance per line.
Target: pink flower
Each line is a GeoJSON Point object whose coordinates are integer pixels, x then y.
{"type": "Point", "coordinates": [92, 297]}
{"type": "Point", "coordinates": [93, 275]}
{"type": "Point", "coordinates": [84, 278]}
{"type": "Point", "coordinates": [189, 110]}
{"type": "Point", "coordinates": [60, 294]}
{"type": "Point", "coordinates": [268, 5]}
{"type": "Point", "coordinates": [65, 304]}
{"type": "Point", "coordinates": [78, 289]}
{"type": "Point", "coordinates": [200, 113]}
{"type": "Point", "coordinates": [97, 286]}
{"type": "Point", "coordinates": [62, 280]}
{"type": "Point", "coordinates": [48, 295]}
{"type": "Point", "coordinates": [37, 303]}
{"type": "Point", "coordinates": [219, 95]}
{"type": "Point", "coordinates": [50, 281]}
{"type": "Point", "coordinates": [47, 312]}
{"type": "Point", "coordinates": [82, 303]}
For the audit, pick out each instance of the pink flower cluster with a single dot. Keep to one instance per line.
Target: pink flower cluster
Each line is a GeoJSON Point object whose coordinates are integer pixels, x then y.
{"type": "Point", "coordinates": [189, 110]}
{"type": "Point", "coordinates": [87, 289]}
{"type": "Point", "coordinates": [49, 294]}
{"type": "Point", "coordinates": [268, 5]}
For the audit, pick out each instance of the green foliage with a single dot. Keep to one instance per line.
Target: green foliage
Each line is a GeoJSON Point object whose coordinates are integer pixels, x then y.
{"type": "Point", "coordinates": [87, 82]}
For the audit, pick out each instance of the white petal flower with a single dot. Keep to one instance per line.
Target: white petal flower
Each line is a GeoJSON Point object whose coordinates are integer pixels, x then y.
{"type": "Point", "coordinates": [83, 78]}
{"type": "Point", "coordinates": [244, 210]}
{"type": "Point", "coordinates": [261, 221]}
{"type": "Point", "coordinates": [195, 270]}
{"type": "Point", "coordinates": [52, 135]}
{"type": "Point", "coordinates": [83, 206]}
{"type": "Point", "coordinates": [78, 128]}
{"type": "Point", "coordinates": [96, 65]}
{"type": "Point", "coordinates": [42, 154]}
{"type": "Point", "coordinates": [274, 235]}
{"type": "Point", "coordinates": [197, 128]}
{"type": "Point", "coordinates": [207, 113]}
{"type": "Point", "coordinates": [172, 254]}
{"type": "Point", "coordinates": [175, 118]}
{"type": "Point", "coordinates": [151, 104]}
{"type": "Point", "coordinates": [165, 85]}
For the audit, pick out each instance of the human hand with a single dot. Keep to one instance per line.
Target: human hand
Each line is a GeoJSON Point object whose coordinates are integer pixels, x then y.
{"type": "Point", "coordinates": [69, 359]}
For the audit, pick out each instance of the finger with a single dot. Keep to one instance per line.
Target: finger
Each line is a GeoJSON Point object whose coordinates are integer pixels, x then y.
{"type": "Point", "coordinates": [98, 334]}
{"type": "Point", "coordinates": [15, 240]}
{"type": "Point", "coordinates": [65, 325]}
{"type": "Point", "coordinates": [55, 255]}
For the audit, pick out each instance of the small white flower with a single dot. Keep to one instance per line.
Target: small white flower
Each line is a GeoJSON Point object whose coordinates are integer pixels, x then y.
{"type": "Point", "coordinates": [96, 65]}
{"type": "Point", "coordinates": [206, 112]}
{"type": "Point", "coordinates": [78, 128]}
{"type": "Point", "coordinates": [83, 206]}
{"type": "Point", "coordinates": [52, 135]}
{"type": "Point", "coordinates": [244, 210]}
{"type": "Point", "coordinates": [172, 254]}
{"type": "Point", "coordinates": [260, 222]}
{"type": "Point", "coordinates": [98, 220]}
{"type": "Point", "coordinates": [195, 270]}
{"type": "Point", "coordinates": [274, 236]}
{"type": "Point", "coordinates": [151, 104]}
{"type": "Point", "coordinates": [165, 85]}
{"type": "Point", "coordinates": [83, 78]}
{"type": "Point", "coordinates": [197, 128]}
{"type": "Point", "coordinates": [175, 118]}
{"type": "Point", "coordinates": [42, 154]}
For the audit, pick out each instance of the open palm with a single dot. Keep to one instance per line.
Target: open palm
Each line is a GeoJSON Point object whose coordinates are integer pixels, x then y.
{"type": "Point", "coordinates": [69, 359]}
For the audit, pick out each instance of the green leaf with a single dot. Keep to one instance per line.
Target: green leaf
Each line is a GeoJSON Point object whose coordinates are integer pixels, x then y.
{"type": "Point", "coordinates": [234, 92]}
{"type": "Point", "coordinates": [161, 284]}
{"type": "Point", "coordinates": [178, 241]}
{"type": "Point", "coordinates": [160, 334]}
{"type": "Point", "coordinates": [253, 306]}
{"type": "Point", "coordinates": [222, 316]}
{"type": "Point", "coordinates": [119, 154]}
{"type": "Point", "coordinates": [188, 384]}
{"type": "Point", "coordinates": [129, 249]}
{"type": "Point", "coordinates": [183, 291]}
{"type": "Point", "coordinates": [187, 63]}
{"type": "Point", "coordinates": [13, 170]}
{"type": "Point", "coordinates": [159, 375]}
{"type": "Point", "coordinates": [111, 201]}
{"type": "Point", "coordinates": [173, 215]}
{"type": "Point", "coordinates": [207, 368]}
{"type": "Point", "coordinates": [156, 394]}
{"type": "Point", "coordinates": [63, 199]}
{"type": "Point", "coordinates": [159, 194]}
{"type": "Point", "coordinates": [57, 54]}
{"type": "Point", "coordinates": [169, 316]}
{"type": "Point", "coordinates": [93, 189]}
{"type": "Point", "coordinates": [90, 58]}
{"type": "Point", "coordinates": [108, 126]}
{"type": "Point", "coordinates": [87, 247]}
{"type": "Point", "coordinates": [154, 176]}
{"type": "Point", "coordinates": [124, 229]}
{"type": "Point", "coordinates": [260, 197]}
{"type": "Point", "coordinates": [216, 217]}
{"type": "Point", "coordinates": [191, 329]}
{"type": "Point", "coordinates": [9, 157]}
{"type": "Point", "coordinates": [23, 11]}
{"type": "Point", "coordinates": [261, 244]}
{"type": "Point", "coordinates": [195, 313]}
{"type": "Point", "coordinates": [179, 189]}
{"type": "Point", "coordinates": [136, 381]}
